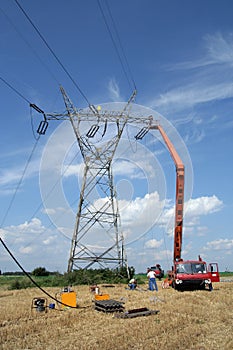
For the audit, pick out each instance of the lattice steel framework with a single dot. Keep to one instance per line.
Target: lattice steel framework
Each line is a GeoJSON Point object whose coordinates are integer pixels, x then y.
{"type": "Point", "coordinates": [98, 216]}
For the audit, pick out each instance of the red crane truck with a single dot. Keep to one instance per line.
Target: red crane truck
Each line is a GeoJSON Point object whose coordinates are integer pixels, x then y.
{"type": "Point", "coordinates": [185, 274]}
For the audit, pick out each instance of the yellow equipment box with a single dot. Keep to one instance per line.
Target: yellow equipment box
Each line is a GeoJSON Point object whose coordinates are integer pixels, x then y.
{"type": "Point", "coordinates": [102, 297]}
{"type": "Point", "coordinates": [69, 298]}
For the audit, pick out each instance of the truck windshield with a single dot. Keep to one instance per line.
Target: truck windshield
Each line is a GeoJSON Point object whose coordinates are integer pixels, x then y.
{"type": "Point", "coordinates": [184, 268]}
{"type": "Point", "coordinates": [199, 268]}
{"type": "Point", "coordinates": [191, 268]}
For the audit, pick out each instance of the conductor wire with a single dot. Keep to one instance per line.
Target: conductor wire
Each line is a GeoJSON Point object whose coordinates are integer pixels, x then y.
{"type": "Point", "coordinates": [19, 183]}
{"type": "Point", "coordinates": [16, 91]}
{"type": "Point", "coordinates": [53, 53]}
{"type": "Point", "coordinates": [115, 45]}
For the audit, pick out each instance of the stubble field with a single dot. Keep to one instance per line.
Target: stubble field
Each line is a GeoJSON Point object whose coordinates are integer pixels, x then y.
{"type": "Point", "coordinates": [186, 320]}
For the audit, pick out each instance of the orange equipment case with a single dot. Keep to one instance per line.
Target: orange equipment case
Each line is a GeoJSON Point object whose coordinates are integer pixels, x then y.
{"type": "Point", "coordinates": [69, 298]}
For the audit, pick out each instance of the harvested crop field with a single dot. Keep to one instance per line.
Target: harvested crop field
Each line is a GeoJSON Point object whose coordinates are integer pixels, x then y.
{"type": "Point", "coordinates": [186, 320]}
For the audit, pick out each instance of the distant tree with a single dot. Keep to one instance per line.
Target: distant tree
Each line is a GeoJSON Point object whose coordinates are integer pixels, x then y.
{"type": "Point", "coordinates": [40, 271]}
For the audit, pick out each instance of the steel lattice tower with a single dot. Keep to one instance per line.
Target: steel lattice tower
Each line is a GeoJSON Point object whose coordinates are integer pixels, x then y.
{"type": "Point", "coordinates": [97, 218]}
{"type": "Point", "coordinates": [100, 217]}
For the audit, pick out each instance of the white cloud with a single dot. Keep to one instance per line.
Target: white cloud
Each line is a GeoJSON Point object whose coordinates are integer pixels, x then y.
{"type": "Point", "coordinates": [141, 214]}
{"type": "Point", "coordinates": [114, 90]}
{"type": "Point", "coordinates": [139, 211]}
{"type": "Point", "coordinates": [194, 209]}
{"type": "Point", "coordinates": [54, 211]}
{"type": "Point", "coordinates": [76, 170]}
{"type": "Point", "coordinates": [153, 243]}
{"type": "Point", "coordinates": [26, 250]}
{"type": "Point", "coordinates": [210, 79]}
{"type": "Point", "coordinates": [202, 206]}
{"type": "Point", "coordinates": [220, 244]}
{"type": "Point", "coordinates": [24, 232]}
{"type": "Point", "coordinates": [124, 167]}
{"type": "Point", "coordinates": [49, 211]}
{"type": "Point", "coordinates": [187, 96]}
{"type": "Point", "coordinates": [218, 50]}
{"type": "Point", "coordinates": [33, 227]}
{"type": "Point", "coordinates": [49, 240]}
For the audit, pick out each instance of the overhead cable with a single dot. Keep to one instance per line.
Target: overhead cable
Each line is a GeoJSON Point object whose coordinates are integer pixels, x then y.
{"type": "Point", "coordinates": [120, 43]}
{"type": "Point", "coordinates": [19, 183]}
{"type": "Point", "coordinates": [16, 91]}
{"type": "Point", "coordinates": [29, 45]}
{"type": "Point", "coordinates": [53, 53]}
{"type": "Point", "coordinates": [115, 45]}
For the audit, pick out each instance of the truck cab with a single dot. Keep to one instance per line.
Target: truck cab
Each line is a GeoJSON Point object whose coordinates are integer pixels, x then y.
{"type": "Point", "coordinates": [194, 274]}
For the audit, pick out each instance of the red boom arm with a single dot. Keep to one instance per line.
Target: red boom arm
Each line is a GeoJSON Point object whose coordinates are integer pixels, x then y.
{"type": "Point", "coordinates": [179, 193]}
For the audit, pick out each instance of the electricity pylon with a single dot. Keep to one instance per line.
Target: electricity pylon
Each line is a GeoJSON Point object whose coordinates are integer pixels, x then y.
{"type": "Point", "coordinates": [97, 236]}
{"type": "Point", "coordinates": [97, 219]}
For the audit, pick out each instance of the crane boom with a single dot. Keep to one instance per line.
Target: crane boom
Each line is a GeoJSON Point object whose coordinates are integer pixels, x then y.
{"type": "Point", "coordinates": [179, 193]}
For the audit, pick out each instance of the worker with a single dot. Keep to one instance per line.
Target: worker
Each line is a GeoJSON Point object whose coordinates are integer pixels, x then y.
{"type": "Point", "coordinates": [152, 280]}
{"type": "Point", "coordinates": [132, 284]}
{"type": "Point", "coordinates": [95, 289]}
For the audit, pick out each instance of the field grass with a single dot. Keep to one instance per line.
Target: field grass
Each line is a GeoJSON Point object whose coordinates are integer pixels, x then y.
{"type": "Point", "coordinates": [187, 320]}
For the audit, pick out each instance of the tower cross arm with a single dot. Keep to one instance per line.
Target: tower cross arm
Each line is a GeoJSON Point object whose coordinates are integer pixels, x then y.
{"type": "Point", "coordinates": [102, 116]}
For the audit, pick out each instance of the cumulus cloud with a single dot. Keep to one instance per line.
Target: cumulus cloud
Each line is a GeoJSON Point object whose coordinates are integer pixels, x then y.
{"type": "Point", "coordinates": [203, 206]}
{"type": "Point", "coordinates": [33, 245]}
{"type": "Point", "coordinates": [153, 243]}
{"type": "Point", "coordinates": [139, 211]}
{"type": "Point", "coordinates": [220, 244]}
{"type": "Point", "coordinates": [28, 227]}
{"type": "Point", "coordinates": [194, 209]}
{"type": "Point", "coordinates": [138, 216]}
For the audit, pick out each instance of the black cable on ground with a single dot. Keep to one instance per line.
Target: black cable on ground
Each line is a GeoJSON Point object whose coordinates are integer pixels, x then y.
{"type": "Point", "coordinates": [31, 279]}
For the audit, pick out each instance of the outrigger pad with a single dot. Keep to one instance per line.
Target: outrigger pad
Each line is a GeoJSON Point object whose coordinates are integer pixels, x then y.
{"type": "Point", "coordinates": [143, 311]}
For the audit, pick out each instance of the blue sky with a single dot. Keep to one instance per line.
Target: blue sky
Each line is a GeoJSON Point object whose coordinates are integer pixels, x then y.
{"type": "Point", "coordinates": [180, 55]}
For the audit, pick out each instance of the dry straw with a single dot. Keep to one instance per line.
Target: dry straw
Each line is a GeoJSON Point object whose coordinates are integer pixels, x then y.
{"type": "Point", "coordinates": [187, 320]}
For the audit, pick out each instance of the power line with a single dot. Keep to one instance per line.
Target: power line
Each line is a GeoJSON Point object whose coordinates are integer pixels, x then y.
{"type": "Point", "coordinates": [19, 183]}
{"type": "Point", "coordinates": [32, 105]}
{"type": "Point", "coordinates": [53, 53]}
{"type": "Point", "coordinates": [120, 43]}
{"type": "Point", "coordinates": [47, 196]}
{"type": "Point", "coordinates": [129, 79]}
{"type": "Point", "coordinates": [16, 91]}
{"type": "Point", "coordinates": [30, 47]}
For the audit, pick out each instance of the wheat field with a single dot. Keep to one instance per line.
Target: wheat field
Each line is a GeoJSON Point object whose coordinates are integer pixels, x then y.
{"type": "Point", "coordinates": [186, 320]}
